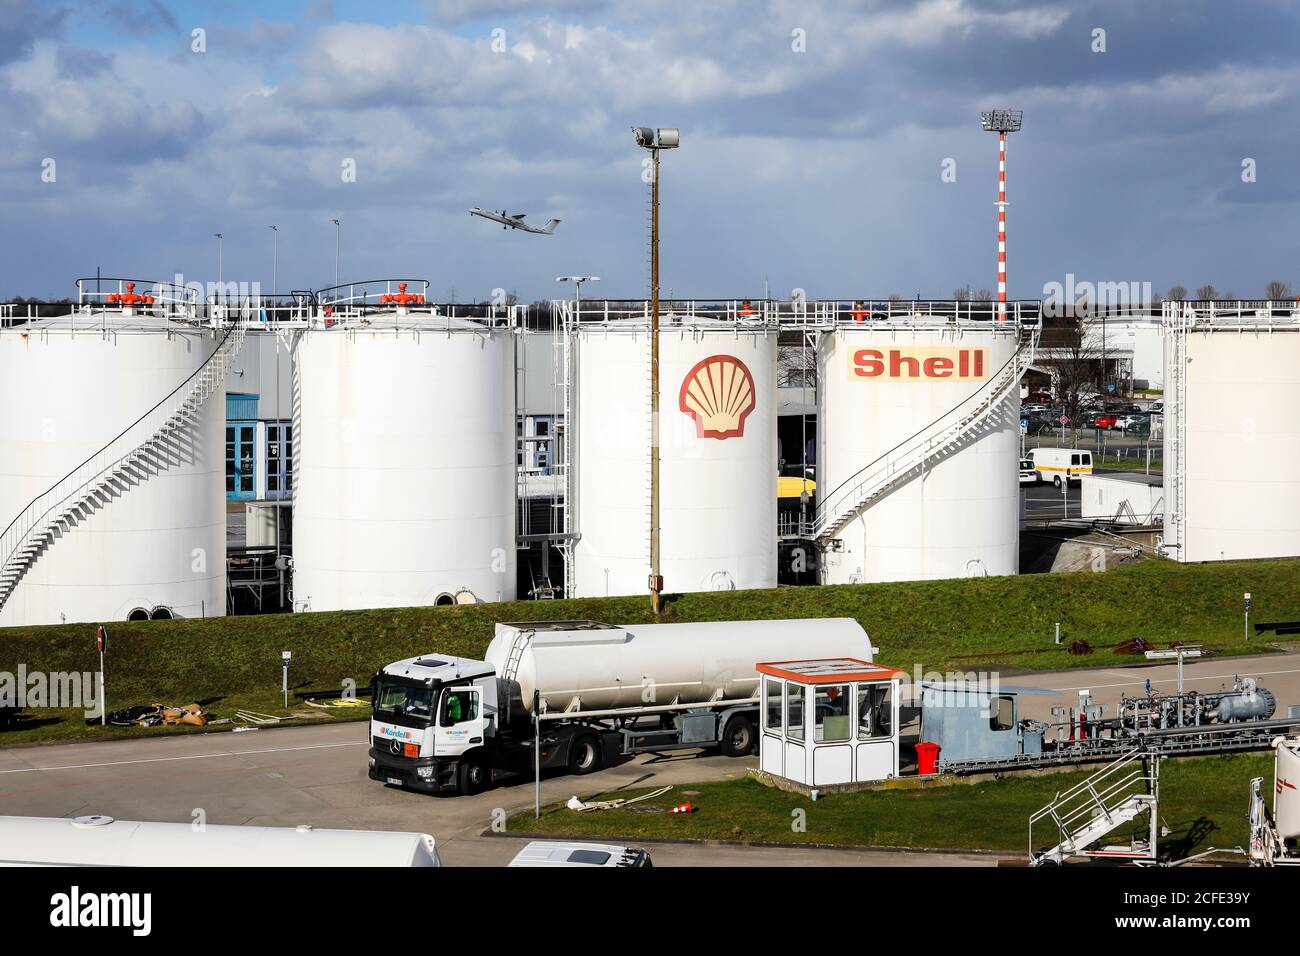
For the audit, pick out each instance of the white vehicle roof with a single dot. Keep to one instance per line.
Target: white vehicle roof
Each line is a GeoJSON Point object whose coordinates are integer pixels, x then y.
{"type": "Point", "coordinates": [440, 667]}
{"type": "Point", "coordinates": [546, 853]}
{"type": "Point", "coordinates": [102, 841]}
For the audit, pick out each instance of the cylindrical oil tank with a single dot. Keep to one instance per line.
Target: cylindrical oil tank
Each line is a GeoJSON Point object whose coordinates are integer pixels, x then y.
{"type": "Point", "coordinates": [103, 841]}
{"type": "Point", "coordinates": [718, 457]}
{"type": "Point", "coordinates": [155, 547]}
{"type": "Point", "coordinates": [1232, 441]}
{"type": "Point", "coordinates": [602, 668]}
{"type": "Point", "coordinates": [879, 388]}
{"type": "Point", "coordinates": [404, 468]}
{"type": "Point", "coordinates": [1286, 801]}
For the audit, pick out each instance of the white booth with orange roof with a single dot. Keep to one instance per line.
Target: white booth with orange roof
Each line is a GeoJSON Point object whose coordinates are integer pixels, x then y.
{"type": "Point", "coordinates": [829, 722]}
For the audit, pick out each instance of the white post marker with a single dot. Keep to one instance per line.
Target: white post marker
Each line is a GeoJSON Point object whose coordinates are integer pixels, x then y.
{"type": "Point", "coordinates": [1247, 622]}
{"type": "Point", "coordinates": [101, 642]}
{"type": "Point", "coordinates": [1058, 632]}
{"type": "Point", "coordinates": [284, 679]}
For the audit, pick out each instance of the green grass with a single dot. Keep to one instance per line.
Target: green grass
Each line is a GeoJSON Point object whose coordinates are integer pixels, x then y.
{"type": "Point", "coordinates": [1203, 802]}
{"type": "Point", "coordinates": [1006, 622]}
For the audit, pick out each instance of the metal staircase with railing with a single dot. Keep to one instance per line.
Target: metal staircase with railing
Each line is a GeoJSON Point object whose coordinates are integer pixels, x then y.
{"type": "Point", "coordinates": [1112, 797]}
{"type": "Point", "coordinates": [113, 468]}
{"type": "Point", "coordinates": [941, 437]}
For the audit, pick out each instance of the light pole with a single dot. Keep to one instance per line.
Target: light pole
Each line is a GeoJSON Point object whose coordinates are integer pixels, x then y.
{"type": "Point", "coordinates": [655, 140]}
{"type": "Point", "coordinates": [337, 231]}
{"type": "Point", "coordinates": [577, 289]}
{"type": "Point", "coordinates": [220, 256]}
{"type": "Point", "coordinates": [1002, 122]}
{"type": "Point", "coordinates": [275, 259]}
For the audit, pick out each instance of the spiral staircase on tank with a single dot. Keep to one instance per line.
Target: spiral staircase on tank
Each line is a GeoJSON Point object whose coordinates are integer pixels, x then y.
{"type": "Point", "coordinates": [113, 468]}
{"type": "Point", "coordinates": [942, 437]}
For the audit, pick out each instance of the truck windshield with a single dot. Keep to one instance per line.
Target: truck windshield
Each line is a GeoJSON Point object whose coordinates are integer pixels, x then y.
{"type": "Point", "coordinates": [404, 702]}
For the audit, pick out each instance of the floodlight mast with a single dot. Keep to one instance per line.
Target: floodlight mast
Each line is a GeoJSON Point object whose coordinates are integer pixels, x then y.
{"type": "Point", "coordinates": [654, 140]}
{"type": "Point", "coordinates": [1002, 122]}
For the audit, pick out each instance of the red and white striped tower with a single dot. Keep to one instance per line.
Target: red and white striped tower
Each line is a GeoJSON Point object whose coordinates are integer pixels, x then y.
{"type": "Point", "coordinates": [1002, 122]}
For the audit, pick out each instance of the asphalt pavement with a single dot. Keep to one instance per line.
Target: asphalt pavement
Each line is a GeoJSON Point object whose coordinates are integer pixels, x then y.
{"type": "Point", "coordinates": [317, 775]}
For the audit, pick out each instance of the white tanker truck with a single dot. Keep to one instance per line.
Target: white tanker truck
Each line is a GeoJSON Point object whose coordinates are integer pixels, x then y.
{"type": "Point", "coordinates": [587, 691]}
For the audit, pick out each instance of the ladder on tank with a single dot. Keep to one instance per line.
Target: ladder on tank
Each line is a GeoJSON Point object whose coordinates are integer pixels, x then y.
{"type": "Point", "coordinates": [941, 437]}
{"type": "Point", "coordinates": [1112, 797]}
{"type": "Point", "coordinates": [1178, 319]}
{"type": "Point", "coordinates": [112, 469]}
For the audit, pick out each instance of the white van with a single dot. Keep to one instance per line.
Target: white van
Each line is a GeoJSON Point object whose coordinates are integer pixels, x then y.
{"type": "Point", "coordinates": [1061, 464]}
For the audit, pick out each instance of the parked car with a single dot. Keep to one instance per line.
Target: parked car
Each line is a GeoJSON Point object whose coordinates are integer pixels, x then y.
{"type": "Point", "coordinates": [1157, 408]}
{"type": "Point", "coordinates": [1028, 473]}
{"type": "Point", "coordinates": [1132, 422]}
{"type": "Point", "coordinates": [1104, 421]}
{"type": "Point", "coordinates": [547, 853]}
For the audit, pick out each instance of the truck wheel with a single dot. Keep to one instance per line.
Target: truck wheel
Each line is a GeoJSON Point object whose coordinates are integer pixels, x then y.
{"type": "Point", "coordinates": [584, 755]}
{"type": "Point", "coordinates": [1056, 481]}
{"type": "Point", "coordinates": [472, 776]}
{"type": "Point", "coordinates": [738, 738]}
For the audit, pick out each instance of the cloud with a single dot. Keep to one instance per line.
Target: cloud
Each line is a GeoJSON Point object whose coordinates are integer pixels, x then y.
{"type": "Point", "coordinates": [818, 168]}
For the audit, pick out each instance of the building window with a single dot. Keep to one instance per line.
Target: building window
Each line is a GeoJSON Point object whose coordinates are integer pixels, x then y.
{"type": "Point", "coordinates": [279, 459]}
{"type": "Point", "coordinates": [240, 451]}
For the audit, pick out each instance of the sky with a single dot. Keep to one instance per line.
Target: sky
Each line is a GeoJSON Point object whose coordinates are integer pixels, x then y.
{"type": "Point", "coordinates": [833, 147]}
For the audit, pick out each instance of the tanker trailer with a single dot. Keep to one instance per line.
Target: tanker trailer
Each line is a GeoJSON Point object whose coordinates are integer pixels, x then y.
{"type": "Point", "coordinates": [574, 694]}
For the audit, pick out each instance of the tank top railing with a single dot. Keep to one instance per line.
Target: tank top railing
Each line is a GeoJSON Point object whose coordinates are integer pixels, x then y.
{"type": "Point", "coordinates": [37, 522]}
{"type": "Point", "coordinates": [836, 508]}
{"type": "Point", "coordinates": [810, 314]}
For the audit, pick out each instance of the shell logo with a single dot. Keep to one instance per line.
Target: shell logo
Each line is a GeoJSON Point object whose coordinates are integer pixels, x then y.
{"type": "Point", "coordinates": [719, 394]}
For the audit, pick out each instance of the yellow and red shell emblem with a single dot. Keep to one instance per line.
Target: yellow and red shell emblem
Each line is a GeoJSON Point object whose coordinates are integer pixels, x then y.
{"type": "Point", "coordinates": [719, 394]}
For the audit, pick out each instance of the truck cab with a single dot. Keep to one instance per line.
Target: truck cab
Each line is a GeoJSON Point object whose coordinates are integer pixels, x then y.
{"type": "Point", "coordinates": [434, 718]}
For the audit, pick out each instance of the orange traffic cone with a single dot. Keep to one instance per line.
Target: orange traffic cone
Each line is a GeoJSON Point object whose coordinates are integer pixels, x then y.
{"type": "Point", "coordinates": [684, 808]}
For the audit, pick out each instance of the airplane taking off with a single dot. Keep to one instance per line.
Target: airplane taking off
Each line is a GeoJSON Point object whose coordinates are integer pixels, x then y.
{"type": "Point", "coordinates": [515, 221]}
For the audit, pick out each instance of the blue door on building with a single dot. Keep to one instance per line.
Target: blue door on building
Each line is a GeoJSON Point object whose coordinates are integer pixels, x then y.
{"type": "Point", "coordinates": [241, 443]}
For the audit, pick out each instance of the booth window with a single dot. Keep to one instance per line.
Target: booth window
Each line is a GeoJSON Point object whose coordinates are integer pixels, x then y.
{"type": "Point", "coordinates": [875, 710]}
{"type": "Point", "coordinates": [794, 711]}
{"type": "Point", "coordinates": [832, 713]}
{"type": "Point", "coordinates": [772, 706]}
{"type": "Point", "coordinates": [1000, 711]}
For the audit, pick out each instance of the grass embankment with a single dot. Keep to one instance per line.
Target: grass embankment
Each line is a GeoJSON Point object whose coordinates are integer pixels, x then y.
{"type": "Point", "coordinates": [1203, 802]}
{"type": "Point", "coordinates": [1006, 622]}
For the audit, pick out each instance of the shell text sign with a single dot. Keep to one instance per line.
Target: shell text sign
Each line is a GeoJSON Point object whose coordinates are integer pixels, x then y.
{"type": "Point", "coordinates": [719, 394]}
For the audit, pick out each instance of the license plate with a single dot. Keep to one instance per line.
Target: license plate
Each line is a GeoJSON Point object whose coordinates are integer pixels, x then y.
{"type": "Point", "coordinates": [393, 780]}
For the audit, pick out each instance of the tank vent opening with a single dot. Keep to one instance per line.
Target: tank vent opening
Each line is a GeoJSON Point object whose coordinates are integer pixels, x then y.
{"type": "Point", "coordinates": [161, 613]}
{"type": "Point", "coordinates": [465, 596]}
{"type": "Point", "coordinates": [444, 600]}
{"type": "Point", "coordinates": [138, 614]}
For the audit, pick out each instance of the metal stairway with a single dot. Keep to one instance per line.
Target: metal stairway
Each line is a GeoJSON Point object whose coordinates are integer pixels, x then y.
{"type": "Point", "coordinates": [940, 437]}
{"type": "Point", "coordinates": [113, 468]}
{"type": "Point", "coordinates": [1107, 800]}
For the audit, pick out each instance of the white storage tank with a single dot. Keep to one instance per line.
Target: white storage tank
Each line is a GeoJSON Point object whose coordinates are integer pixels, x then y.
{"type": "Point", "coordinates": [718, 456]}
{"type": "Point", "coordinates": [588, 666]}
{"type": "Point", "coordinates": [1232, 436]}
{"type": "Point", "coordinates": [404, 462]}
{"type": "Point", "coordinates": [78, 393]}
{"type": "Point", "coordinates": [885, 386]}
